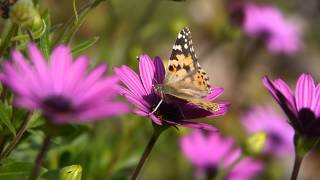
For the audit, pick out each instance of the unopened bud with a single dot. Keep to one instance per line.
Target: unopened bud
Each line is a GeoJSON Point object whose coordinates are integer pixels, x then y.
{"type": "Point", "coordinates": [73, 172]}
{"type": "Point", "coordinates": [23, 13]}
{"type": "Point", "coordinates": [255, 144]}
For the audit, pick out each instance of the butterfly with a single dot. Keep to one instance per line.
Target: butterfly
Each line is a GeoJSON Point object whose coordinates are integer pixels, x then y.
{"type": "Point", "coordinates": [184, 78]}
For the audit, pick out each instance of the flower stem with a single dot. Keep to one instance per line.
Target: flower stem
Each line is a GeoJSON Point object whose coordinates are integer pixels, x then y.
{"type": "Point", "coordinates": [40, 157]}
{"type": "Point", "coordinates": [16, 139]}
{"type": "Point", "coordinates": [74, 23]}
{"type": "Point", "coordinates": [13, 29]}
{"type": "Point", "coordinates": [156, 133]}
{"type": "Point", "coordinates": [296, 167]}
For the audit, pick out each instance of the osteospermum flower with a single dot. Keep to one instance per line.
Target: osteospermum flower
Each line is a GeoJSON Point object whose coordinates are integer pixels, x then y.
{"type": "Point", "coordinates": [269, 24]}
{"type": "Point", "coordinates": [64, 91]}
{"type": "Point", "coordinates": [140, 92]}
{"type": "Point", "coordinates": [301, 107]}
{"type": "Point", "coordinates": [279, 132]}
{"type": "Point", "coordinates": [211, 152]}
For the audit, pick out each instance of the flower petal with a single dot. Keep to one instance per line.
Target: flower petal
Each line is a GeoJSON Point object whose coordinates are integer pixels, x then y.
{"type": "Point", "coordinates": [215, 92]}
{"type": "Point", "coordinates": [196, 125]}
{"type": "Point", "coordinates": [316, 101]}
{"type": "Point", "coordinates": [304, 91]}
{"type": "Point", "coordinates": [147, 72]}
{"type": "Point", "coordinates": [131, 80]}
{"type": "Point", "coordinates": [59, 66]}
{"type": "Point", "coordinates": [159, 70]}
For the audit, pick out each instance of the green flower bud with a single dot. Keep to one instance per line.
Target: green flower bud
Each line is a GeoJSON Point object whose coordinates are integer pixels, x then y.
{"type": "Point", "coordinates": [73, 172]}
{"type": "Point", "coordinates": [23, 13]}
{"type": "Point", "coordinates": [255, 144]}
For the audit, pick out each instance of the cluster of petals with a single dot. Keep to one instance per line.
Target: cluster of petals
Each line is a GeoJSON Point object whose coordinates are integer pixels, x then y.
{"type": "Point", "coordinates": [301, 107]}
{"type": "Point", "coordinates": [62, 89]}
{"type": "Point", "coordinates": [213, 152]}
{"type": "Point", "coordinates": [268, 23]}
{"type": "Point", "coordinates": [140, 92]}
{"type": "Point", "coordinates": [279, 132]}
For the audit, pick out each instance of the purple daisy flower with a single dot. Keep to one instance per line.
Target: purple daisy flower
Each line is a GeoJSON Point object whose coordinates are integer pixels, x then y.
{"type": "Point", "coordinates": [140, 92]}
{"type": "Point", "coordinates": [266, 119]}
{"type": "Point", "coordinates": [268, 23]}
{"type": "Point", "coordinates": [211, 152]}
{"type": "Point", "coordinates": [303, 107]}
{"type": "Point", "coordinates": [62, 90]}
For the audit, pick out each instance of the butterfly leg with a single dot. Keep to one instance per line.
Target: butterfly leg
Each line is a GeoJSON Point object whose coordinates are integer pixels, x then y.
{"type": "Point", "coordinates": [156, 108]}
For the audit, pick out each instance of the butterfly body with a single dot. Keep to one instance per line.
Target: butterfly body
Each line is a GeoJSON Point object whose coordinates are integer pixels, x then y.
{"type": "Point", "coordinates": [185, 79]}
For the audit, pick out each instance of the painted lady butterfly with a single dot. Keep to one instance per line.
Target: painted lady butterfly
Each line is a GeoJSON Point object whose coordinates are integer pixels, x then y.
{"type": "Point", "coordinates": [185, 79]}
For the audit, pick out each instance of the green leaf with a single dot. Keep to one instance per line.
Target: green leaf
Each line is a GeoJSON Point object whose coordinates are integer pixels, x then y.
{"type": "Point", "coordinates": [85, 45]}
{"type": "Point", "coordinates": [73, 172]}
{"type": "Point", "coordinates": [44, 41]}
{"type": "Point", "coordinates": [16, 170]}
{"type": "Point", "coordinates": [5, 116]}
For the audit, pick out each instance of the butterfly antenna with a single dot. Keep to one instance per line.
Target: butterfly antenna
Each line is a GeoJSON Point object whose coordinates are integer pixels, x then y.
{"type": "Point", "coordinates": [157, 107]}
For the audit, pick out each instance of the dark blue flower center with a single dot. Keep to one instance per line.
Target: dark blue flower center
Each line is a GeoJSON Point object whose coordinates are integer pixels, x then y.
{"type": "Point", "coordinates": [57, 104]}
{"type": "Point", "coordinates": [211, 172]}
{"type": "Point", "coordinates": [264, 35]}
{"type": "Point", "coordinates": [275, 138]}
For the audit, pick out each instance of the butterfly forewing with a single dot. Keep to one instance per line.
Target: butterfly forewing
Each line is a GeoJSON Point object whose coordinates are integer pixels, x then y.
{"type": "Point", "coordinates": [184, 70]}
{"type": "Point", "coordinates": [185, 79]}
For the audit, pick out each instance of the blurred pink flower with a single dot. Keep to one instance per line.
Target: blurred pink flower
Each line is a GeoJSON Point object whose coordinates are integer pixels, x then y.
{"type": "Point", "coordinates": [303, 107]}
{"type": "Point", "coordinates": [269, 24]}
{"type": "Point", "coordinates": [211, 152]}
{"type": "Point", "coordinates": [279, 132]}
{"type": "Point", "coordinates": [140, 92]}
{"type": "Point", "coordinates": [62, 90]}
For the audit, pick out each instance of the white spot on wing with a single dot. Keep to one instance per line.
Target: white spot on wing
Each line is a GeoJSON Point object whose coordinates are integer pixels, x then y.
{"type": "Point", "coordinates": [177, 47]}
{"type": "Point", "coordinates": [185, 46]}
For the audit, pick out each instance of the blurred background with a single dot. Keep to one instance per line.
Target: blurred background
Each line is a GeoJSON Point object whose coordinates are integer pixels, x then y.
{"type": "Point", "coordinates": [110, 149]}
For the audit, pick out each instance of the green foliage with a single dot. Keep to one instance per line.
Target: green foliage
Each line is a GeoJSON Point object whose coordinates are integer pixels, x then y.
{"type": "Point", "coordinates": [13, 170]}
{"type": "Point", "coordinates": [6, 115]}
{"type": "Point", "coordinates": [84, 45]}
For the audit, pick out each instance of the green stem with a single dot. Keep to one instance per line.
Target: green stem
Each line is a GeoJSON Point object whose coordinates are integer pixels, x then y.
{"type": "Point", "coordinates": [13, 29]}
{"type": "Point", "coordinates": [74, 23]}
{"type": "Point", "coordinates": [148, 13]}
{"type": "Point", "coordinates": [296, 167]}
{"type": "Point", "coordinates": [224, 172]}
{"type": "Point", "coordinates": [156, 133]}
{"type": "Point", "coordinates": [40, 157]}
{"type": "Point", "coordinates": [17, 138]}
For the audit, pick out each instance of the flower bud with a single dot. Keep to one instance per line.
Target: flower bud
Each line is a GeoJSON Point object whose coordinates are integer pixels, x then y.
{"type": "Point", "coordinates": [255, 144]}
{"type": "Point", "coordinates": [23, 13]}
{"type": "Point", "coordinates": [73, 172]}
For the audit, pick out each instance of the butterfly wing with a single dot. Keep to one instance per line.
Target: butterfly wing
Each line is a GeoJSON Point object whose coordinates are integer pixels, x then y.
{"type": "Point", "coordinates": [184, 73]}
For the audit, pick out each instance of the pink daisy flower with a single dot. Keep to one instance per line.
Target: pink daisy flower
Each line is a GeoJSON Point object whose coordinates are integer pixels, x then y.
{"type": "Point", "coordinates": [303, 107]}
{"type": "Point", "coordinates": [63, 90]}
{"type": "Point", "coordinates": [211, 152]}
{"type": "Point", "coordinates": [140, 92]}
{"type": "Point", "coordinates": [268, 23]}
{"type": "Point", "coordinates": [279, 132]}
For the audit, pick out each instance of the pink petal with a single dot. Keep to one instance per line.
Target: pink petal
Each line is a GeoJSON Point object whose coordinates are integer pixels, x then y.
{"type": "Point", "coordinates": [59, 66]}
{"type": "Point", "coordinates": [159, 70]}
{"type": "Point", "coordinates": [147, 72]}
{"type": "Point", "coordinates": [131, 80]}
{"type": "Point", "coordinates": [304, 91]}
{"type": "Point", "coordinates": [215, 92]}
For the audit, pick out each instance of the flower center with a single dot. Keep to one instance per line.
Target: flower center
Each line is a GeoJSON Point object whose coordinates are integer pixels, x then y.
{"type": "Point", "coordinates": [211, 172]}
{"type": "Point", "coordinates": [264, 35]}
{"type": "Point", "coordinates": [168, 111]}
{"type": "Point", "coordinates": [275, 138]}
{"type": "Point", "coordinates": [57, 104]}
